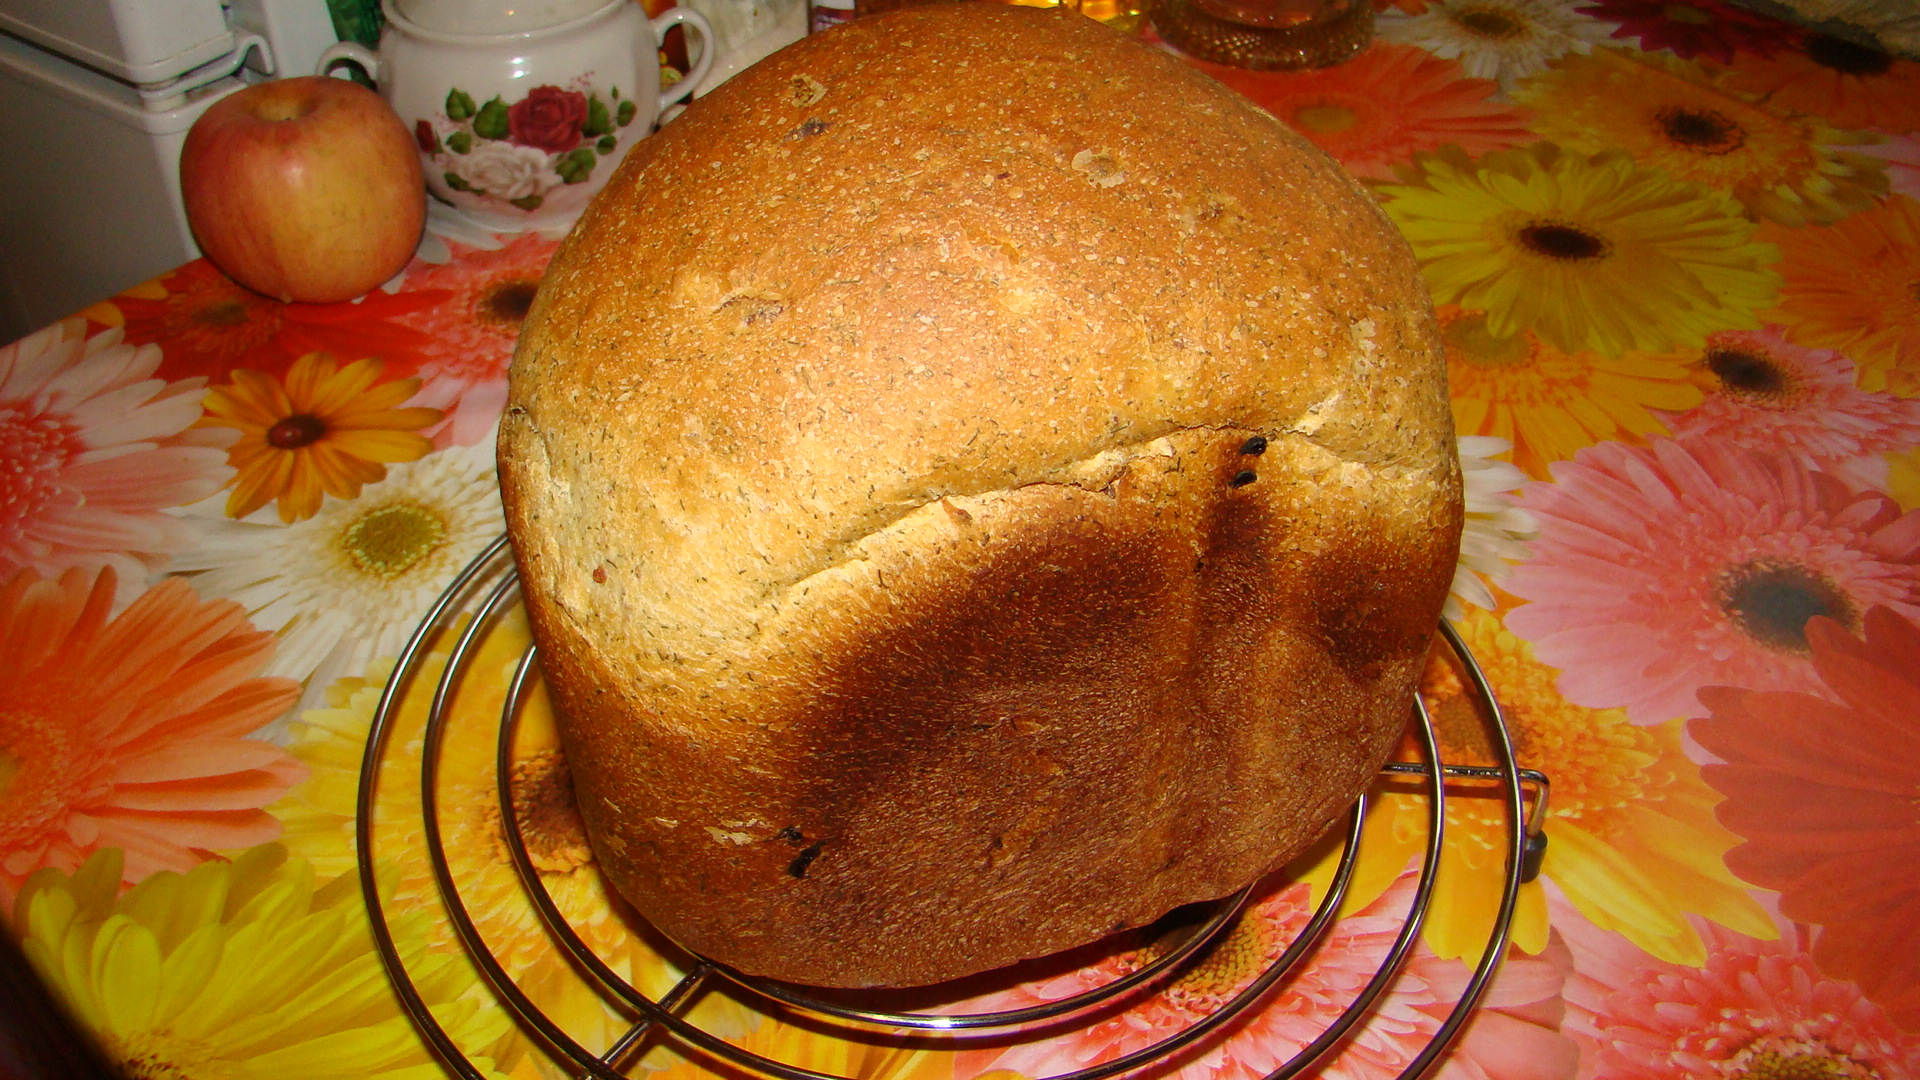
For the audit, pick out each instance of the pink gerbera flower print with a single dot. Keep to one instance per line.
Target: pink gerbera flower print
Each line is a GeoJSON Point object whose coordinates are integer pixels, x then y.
{"type": "Point", "coordinates": [1694, 28]}
{"type": "Point", "coordinates": [93, 449]}
{"type": "Point", "coordinates": [471, 335]}
{"type": "Point", "coordinates": [1686, 563]}
{"type": "Point", "coordinates": [1823, 790]}
{"type": "Point", "coordinates": [1515, 1031]}
{"type": "Point", "coordinates": [1755, 1009]}
{"type": "Point", "coordinates": [1902, 155]}
{"type": "Point", "coordinates": [1510, 1040]}
{"type": "Point", "coordinates": [129, 731]}
{"type": "Point", "coordinates": [1767, 393]}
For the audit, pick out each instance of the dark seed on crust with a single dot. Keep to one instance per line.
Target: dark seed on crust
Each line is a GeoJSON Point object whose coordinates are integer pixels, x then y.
{"type": "Point", "coordinates": [798, 867]}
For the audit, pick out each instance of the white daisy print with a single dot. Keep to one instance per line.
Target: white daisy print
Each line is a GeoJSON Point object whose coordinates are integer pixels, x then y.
{"type": "Point", "coordinates": [350, 584]}
{"type": "Point", "coordinates": [1497, 530]}
{"type": "Point", "coordinates": [1502, 40]}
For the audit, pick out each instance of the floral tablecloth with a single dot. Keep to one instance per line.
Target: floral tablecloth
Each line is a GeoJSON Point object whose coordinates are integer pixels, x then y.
{"type": "Point", "coordinates": [1675, 249]}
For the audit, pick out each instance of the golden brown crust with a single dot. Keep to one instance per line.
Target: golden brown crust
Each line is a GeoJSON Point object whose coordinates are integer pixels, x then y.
{"type": "Point", "coordinates": [877, 463]}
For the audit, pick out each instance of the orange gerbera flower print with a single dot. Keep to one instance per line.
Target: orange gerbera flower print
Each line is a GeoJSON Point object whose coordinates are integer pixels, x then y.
{"type": "Point", "coordinates": [1384, 106]}
{"type": "Point", "coordinates": [1551, 404]}
{"type": "Point", "coordinates": [1808, 777]}
{"type": "Point", "coordinates": [325, 430]}
{"type": "Point", "coordinates": [1848, 84]}
{"type": "Point", "coordinates": [208, 325]}
{"type": "Point", "coordinates": [1855, 287]}
{"type": "Point", "coordinates": [129, 731]}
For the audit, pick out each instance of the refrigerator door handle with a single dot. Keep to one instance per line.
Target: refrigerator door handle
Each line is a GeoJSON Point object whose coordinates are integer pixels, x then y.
{"type": "Point", "coordinates": [172, 95]}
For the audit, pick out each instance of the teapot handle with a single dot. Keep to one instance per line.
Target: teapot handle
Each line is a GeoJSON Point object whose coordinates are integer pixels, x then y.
{"type": "Point", "coordinates": [348, 52]}
{"type": "Point", "coordinates": [708, 46]}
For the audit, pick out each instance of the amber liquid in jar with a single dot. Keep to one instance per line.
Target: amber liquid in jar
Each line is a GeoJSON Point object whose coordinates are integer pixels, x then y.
{"type": "Point", "coordinates": [1266, 34]}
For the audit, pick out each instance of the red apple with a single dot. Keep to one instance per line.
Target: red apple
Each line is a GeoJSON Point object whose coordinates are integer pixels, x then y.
{"type": "Point", "coordinates": [304, 189]}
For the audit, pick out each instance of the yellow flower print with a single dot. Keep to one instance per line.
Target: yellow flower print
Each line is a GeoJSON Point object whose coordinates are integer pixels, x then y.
{"type": "Point", "coordinates": [319, 816]}
{"type": "Point", "coordinates": [326, 430]}
{"type": "Point", "coordinates": [1590, 253]}
{"type": "Point", "coordinates": [241, 969]}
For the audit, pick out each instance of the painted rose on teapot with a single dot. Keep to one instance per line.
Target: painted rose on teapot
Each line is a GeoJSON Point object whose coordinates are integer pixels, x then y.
{"type": "Point", "coordinates": [520, 152]}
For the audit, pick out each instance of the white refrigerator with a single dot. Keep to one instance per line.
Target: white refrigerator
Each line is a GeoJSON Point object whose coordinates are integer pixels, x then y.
{"type": "Point", "coordinates": [96, 97]}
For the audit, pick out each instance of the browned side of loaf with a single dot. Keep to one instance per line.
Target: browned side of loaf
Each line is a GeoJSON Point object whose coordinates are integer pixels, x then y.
{"type": "Point", "coordinates": [877, 460]}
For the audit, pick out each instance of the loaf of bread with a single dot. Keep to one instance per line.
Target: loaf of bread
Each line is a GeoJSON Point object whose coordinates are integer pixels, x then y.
{"type": "Point", "coordinates": [977, 485]}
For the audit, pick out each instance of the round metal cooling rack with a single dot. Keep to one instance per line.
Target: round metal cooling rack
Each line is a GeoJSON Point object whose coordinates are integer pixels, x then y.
{"type": "Point", "coordinates": [486, 587]}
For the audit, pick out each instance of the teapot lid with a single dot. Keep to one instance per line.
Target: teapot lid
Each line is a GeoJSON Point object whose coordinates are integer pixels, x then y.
{"type": "Point", "coordinates": [493, 16]}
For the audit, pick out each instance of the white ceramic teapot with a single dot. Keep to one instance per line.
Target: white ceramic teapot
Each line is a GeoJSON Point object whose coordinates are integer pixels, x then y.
{"type": "Point", "coordinates": [518, 128]}
{"type": "Point", "coordinates": [493, 16]}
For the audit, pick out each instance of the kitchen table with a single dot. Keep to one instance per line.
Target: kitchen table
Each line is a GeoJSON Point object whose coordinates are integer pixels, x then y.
{"type": "Point", "coordinates": [1675, 252]}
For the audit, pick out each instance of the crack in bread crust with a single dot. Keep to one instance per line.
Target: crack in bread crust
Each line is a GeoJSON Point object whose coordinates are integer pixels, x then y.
{"type": "Point", "coordinates": [1015, 688]}
{"type": "Point", "coordinates": [1094, 474]}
